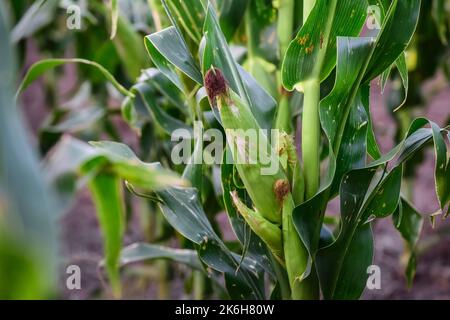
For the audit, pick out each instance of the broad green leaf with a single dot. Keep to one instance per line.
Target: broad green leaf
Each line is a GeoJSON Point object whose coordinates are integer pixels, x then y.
{"type": "Point", "coordinates": [441, 166]}
{"type": "Point", "coordinates": [37, 69]}
{"type": "Point", "coordinates": [182, 209]}
{"type": "Point", "coordinates": [71, 156]}
{"type": "Point", "coordinates": [106, 190]}
{"type": "Point", "coordinates": [353, 148]}
{"type": "Point", "coordinates": [308, 217]}
{"type": "Point", "coordinates": [142, 252]}
{"type": "Point", "coordinates": [396, 33]}
{"type": "Point", "coordinates": [312, 54]}
{"type": "Point", "coordinates": [342, 266]}
{"type": "Point", "coordinates": [364, 193]}
{"type": "Point", "coordinates": [352, 279]}
{"type": "Point", "coordinates": [388, 195]}
{"type": "Point", "coordinates": [167, 46]}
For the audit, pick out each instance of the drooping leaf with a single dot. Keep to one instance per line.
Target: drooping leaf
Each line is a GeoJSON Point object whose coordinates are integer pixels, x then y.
{"type": "Point", "coordinates": [141, 252]}
{"type": "Point", "coordinates": [364, 193]}
{"type": "Point", "coordinates": [107, 195]}
{"type": "Point", "coordinates": [70, 155]}
{"type": "Point", "coordinates": [409, 223]}
{"type": "Point", "coordinates": [37, 69]}
{"type": "Point", "coordinates": [395, 35]}
{"type": "Point", "coordinates": [182, 209]}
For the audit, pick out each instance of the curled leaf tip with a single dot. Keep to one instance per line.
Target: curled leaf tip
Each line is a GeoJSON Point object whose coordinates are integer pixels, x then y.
{"type": "Point", "coordinates": [215, 84]}
{"type": "Point", "coordinates": [281, 188]}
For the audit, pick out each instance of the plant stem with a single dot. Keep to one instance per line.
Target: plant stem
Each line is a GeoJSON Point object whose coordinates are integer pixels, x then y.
{"type": "Point", "coordinates": [311, 123]}
{"type": "Point", "coordinates": [199, 285]}
{"type": "Point", "coordinates": [285, 24]}
{"type": "Point", "coordinates": [285, 27]}
{"type": "Point", "coordinates": [311, 137]}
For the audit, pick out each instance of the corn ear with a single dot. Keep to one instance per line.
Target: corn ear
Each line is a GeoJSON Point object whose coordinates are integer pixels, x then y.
{"type": "Point", "coordinates": [291, 165]}
{"type": "Point", "coordinates": [267, 231]}
{"type": "Point", "coordinates": [249, 157]}
{"type": "Point", "coordinates": [295, 253]}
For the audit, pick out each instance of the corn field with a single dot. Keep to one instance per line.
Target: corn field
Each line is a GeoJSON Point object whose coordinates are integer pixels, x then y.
{"type": "Point", "coordinates": [228, 147]}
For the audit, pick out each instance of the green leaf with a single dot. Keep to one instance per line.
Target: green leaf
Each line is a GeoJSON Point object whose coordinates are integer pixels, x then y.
{"type": "Point", "coordinates": [146, 94]}
{"type": "Point", "coordinates": [312, 54]}
{"type": "Point", "coordinates": [182, 209]}
{"type": "Point", "coordinates": [70, 156]}
{"type": "Point", "coordinates": [37, 69]}
{"type": "Point", "coordinates": [441, 166]}
{"type": "Point", "coordinates": [167, 46]}
{"type": "Point", "coordinates": [342, 265]}
{"type": "Point", "coordinates": [351, 74]}
{"type": "Point", "coordinates": [189, 14]}
{"type": "Point", "coordinates": [388, 195]}
{"type": "Point", "coordinates": [395, 35]}
{"type": "Point", "coordinates": [363, 193]}
{"type": "Point", "coordinates": [106, 190]}
{"type": "Point", "coordinates": [141, 252]}
{"type": "Point", "coordinates": [409, 223]}
{"type": "Point", "coordinates": [40, 14]}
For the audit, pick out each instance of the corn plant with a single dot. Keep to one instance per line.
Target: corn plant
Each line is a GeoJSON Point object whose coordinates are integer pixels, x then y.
{"type": "Point", "coordinates": [301, 69]}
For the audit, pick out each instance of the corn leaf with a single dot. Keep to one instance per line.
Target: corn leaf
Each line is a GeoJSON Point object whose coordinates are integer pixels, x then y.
{"type": "Point", "coordinates": [409, 223]}
{"type": "Point", "coordinates": [37, 69]}
{"type": "Point", "coordinates": [167, 49]}
{"type": "Point", "coordinates": [106, 190]}
{"type": "Point", "coordinates": [142, 252]}
{"type": "Point", "coordinates": [307, 49]}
